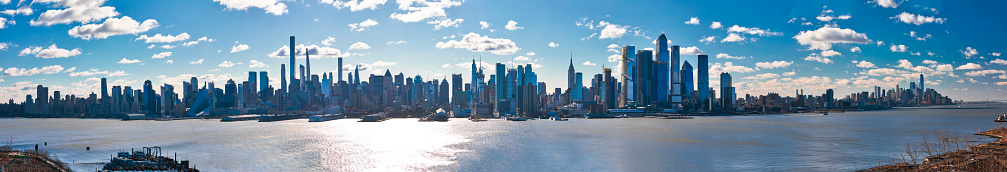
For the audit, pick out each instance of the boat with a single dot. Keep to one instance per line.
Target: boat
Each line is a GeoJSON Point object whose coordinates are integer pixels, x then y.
{"type": "Point", "coordinates": [477, 119]}
{"type": "Point", "coordinates": [441, 115]}
{"type": "Point", "coordinates": [556, 118]}
{"type": "Point", "coordinates": [518, 118]}
{"type": "Point", "coordinates": [826, 113]}
{"type": "Point", "coordinates": [1002, 118]}
{"type": "Point", "coordinates": [239, 118]}
{"type": "Point", "coordinates": [147, 159]}
{"type": "Point", "coordinates": [326, 117]}
{"type": "Point", "coordinates": [378, 117]}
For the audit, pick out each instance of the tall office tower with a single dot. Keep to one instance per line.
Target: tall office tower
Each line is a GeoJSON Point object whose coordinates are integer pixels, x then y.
{"type": "Point", "coordinates": [340, 63]}
{"type": "Point", "coordinates": [127, 96]}
{"type": "Point", "coordinates": [676, 79]}
{"type": "Point", "coordinates": [501, 82]}
{"type": "Point", "coordinates": [921, 83]}
{"type": "Point", "coordinates": [303, 81]}
{"type": "Point", "coordinates": [687, 83]}
{"type": "Point", "coordinates": [42, 101]}
{"type": "Point", "coordinates": [474, 83]}
{"type": "Point", "coordinates": [356, 75]}
{"type": "Point", "coordinates": [307, 64]}
{"type": "Point", "coordinates": [116, 100]}
{"type": "Point", "coordinates": [829, 97]}
{"type": "Point", "coordinates": [704, 82]}
{"type": "Point", "coordinates": [609, 89]}
{"type": "Point", "coordinates": [55, 102]}
{"type": "Point", "coordinates": [570, 82]}
{"type": "Point", "coordinates": [578, 85]}
{"type": "Point", "coordinates": [457, 98]}
{"type": "Point", "coordinates": [628, 75]}
{"type": "Point", "coordinates": [150, 100]}
{"type": "Point", "coordinates": [283, 87]}
{"type": "Point", "coordinates": [263, 80]}
{"type": "Point", "coordinates": [230, 89]}
{"type": "Point", "coordinates": [251, 81]}
{"type": "Point", "coordinates": [726, 92]}
{"type": "Point", "coordinates": [443, 92]}
{"type": "Point", "coordinates": [661, 73]}
{"type": "Point", "coordinates": [293, 54]}
{"type": "Point", "coordinates": [644, 77]}
{"type": "Point", "coordinates": [104, 97]}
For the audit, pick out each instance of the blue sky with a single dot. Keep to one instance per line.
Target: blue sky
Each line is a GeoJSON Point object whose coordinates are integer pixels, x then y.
{"type": "Point", "coordinates": [773, 46]}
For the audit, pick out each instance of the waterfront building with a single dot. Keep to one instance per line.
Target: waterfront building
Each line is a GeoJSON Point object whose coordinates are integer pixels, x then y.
{"type": "Point", "coordinates": [676, 79]}
{"type": "Point", "coordinates": [687, 85]}
{"type": "Point", "coordinates": [661, 74]}
{"type": "Point", "coordinates": [704, 82]}
{"type": "Point", "coordinates": [644, 77]}
{"type": "Point", "coordinates": [628, 76]}
{"type": "Point", "coordinates": [726, 92]}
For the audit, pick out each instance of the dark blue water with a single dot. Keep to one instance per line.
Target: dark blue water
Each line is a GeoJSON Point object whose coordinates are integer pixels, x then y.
{"type": "Point", "coordinates": [795, 142]}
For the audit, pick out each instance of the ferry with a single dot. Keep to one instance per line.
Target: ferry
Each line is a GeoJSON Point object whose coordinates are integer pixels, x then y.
{"type": "Point", "coordinates": [378, 117]}
{"type": "Point", "coordinates": [519, 118]}
{"type": "Point", "coordinates": [441, 115]}
{"type": "Point", "coordinates": [1002, 118]}
{"type": "Point", "coordinates": [826, 113]}
{"type": "Point", "coordinates": [556, 118]}
{"type": "Point", "coordinates": [326, 117]}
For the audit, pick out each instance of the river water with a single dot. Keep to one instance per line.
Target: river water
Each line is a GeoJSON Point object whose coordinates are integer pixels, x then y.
{"type": "Point", "coordinates": [792, 142]}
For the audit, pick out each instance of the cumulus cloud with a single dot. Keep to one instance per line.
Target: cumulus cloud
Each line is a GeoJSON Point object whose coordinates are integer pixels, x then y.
{"type": "Point", "coordinates": [226, 64]}
{"type": "Point", "coordinates": [611, 31]}
{"type": "Point", "coordinates": [716, 25]}
{"type": "Point", "coordinates": [50, 52]}
{"type": "Point", "coordinates": [419, 10]}
{"type": "Point", "coordinates": [855, 49]}
{"type": "Point", "coordinates": [882, 72]}
{"type": "Point", "coordinates": [328, 41]}
{"type": "Point", "coordinates": [273, 7]}
{"type": "Point", "coordinates": [999, 61]}
{"type": "Point", "coordinates": [238, 47]}
{"type": "Point", "coordinates": [355, 5]}
{"type": "Point", "coordinates": [693, 21]}
{"type": "Point", "coordinates": [200, 61]}
{"type": "Point", "coordinates": [984, 72]}
{"type": "Point", "coordinates": [476, 43]}
{"type": "Point", "coordinates": [729, 67]}
{"type": "Point", "coordinates": [918, 19]}
{"type": "Point", "coordinates": [98, 72]}
{"type": "Point", "coordinates": [128, 61]}
{"type": "Point", "coordinates": [512, 25]}
{"type": "Point", "coordinates": [395, 42]}
{"type": "Point", "coordinates": [255, 64]}
{"type": "Point", "coordinates": [791, 73]}
{"type": "Point", "coordinates": [553, 44]}
{"type": "Point", "coordinates": [969, 66]}
{"type": "Point", "coordinates": [864, 64]}
{"type": "Point", "coordinates": [725, 56]}
{"type": "Point", "coordinates": [112, 27]}
{"type": "Point", "coordinates": [815, 58]}
{"type": "Point", "coordinates": [915, 35]}
{"type": "Point", "coordinates": [4, 45]}
{"type": "Point", "coordinates": [588, 63]}
{"type": "Point", "coordinates": [360, 45]}
{"type": "Point", "coordinates": [362, 25]}
{"type": "Point", "coordinates": [823, 38]}
{"type": "Point", "coordinates": [693, 50]}
{"type": "Point", "coordinates": [169, 61]}
{"type": "Point", "coordinates": [752, 31]}
{"type": "Point", "coordinates": [886, 3]}
{"type": "Point", "coordinates": [158, 38]}
{"type": "Point", "coordinates": [83, 11]}
{"type": "Point", "coordinates": [161, 55]}
{"type": "Point", "coordinates": [763, 76]}
{"type": "Point", "coordinates": [733, 37]}
{"type": "Point", "coordinates": [23, 10]}
{"type": "Point", "coordinates": [969, 52]}
{"type": "Point", "coordinates": [708, 39]}
{"type": "Point", "coordinates": [898, 48]}
{"type": "Point", "coordinates": [521, 58]}
{"type": "Point", "coordinates": [446, 22]}
{"type": "Point", "coordinates": [830, 53]}
{"type": "Point", "coordinates": [14, 71]}
{"type": "Point", "coordinates": [773, 64]}
{"type": "Point", "coordinates": [197, 41]}
{"type": "Point", "coordinates": [5, 21]}
{"type": "Point", "coordinates": [313, 50]}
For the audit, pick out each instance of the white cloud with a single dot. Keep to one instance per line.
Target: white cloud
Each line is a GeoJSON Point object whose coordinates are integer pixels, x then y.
{"type": "Point", "coordinates": [238, 47]}
{"type": "Point", "coordinates": [23, 10]}
{"type": "Point", "coordinates": [553, 44]}
{"type": "Point", "coordinates": [395, 42]}
{"type": "Point", "coordinates": [161, 55]}
{"type": "Point", "coordinates": [355, 5]}
{"type": "Point", "coordinates": [197, 41]}
{"type": "Point", "coordinates": [864, 64]}
{"type": "Point", "coordinates": [270, 6]}
{"type": "Point", "coordinates": [827, 18]}
{"type": "Point", "coordinates": [753, 31]}
{"type": "Point", "coordinates": [725, 56]}
{"type": "Point", "coordinates": [255, 64]}
{"type": "Point", "coordinates": [969, 52]}
{"type": "Point", "coordinates": [763, 76]}
{"type": "Point", "coordinates": [774, 64]}
{"type": "Point", "coordinates": [169, 61]}
{"type": "Point", "coordinates": [716, 25]}
{"type": "Point", "coordinates": [127, 61]}
{"type": "Point", "coordinates": [733, 37]}
{"type": "Point", "coordinates": [362, 26]}
{"type": "Point", "coordinates": [969, 66]}
{"type": "Point", "coordinates": [729, 67]}
{"type": "Point", "coordinates": [226, 64]}
{"type": "Point", "coordinates": [999, 61]}
{"type": "Point", "coordinates": [984, 72]}
{"type": "Point", "coordinates": [158, 38]}
{"type": "Point", "coordinates": [855, 49]}
{"type": "Point", "coordinates": [929, 62]}
{"type": "Point", "coordinates": [51, 52]}
{"type": "Point", "coordinates": [611, 31]}
{"type": "Point", "coordinates": [898, 48]}
{"type": "Point", "coordinates": [708, 39]}
{"type": "Point", "coordinates": [588, 63]}
{"type": "Point", "coordinates": [359, 46]}
{"type": "Point", "coordinates": [5, 21]}
{"type": "Point", "coordinates": [693, 50]}
{"type": "Point", "coordinates": [97, 72]}
{"type": "Point", "coordinates": [484, 24]}
{"type": "Point", "coordinates": [512, 25]}
{"type": "Point", "coordinates": [918, 19]}
{"type": "Point", "coordinates": [830, 53]}
{"type": "Point", "coordinates": [791, 73]}
{"type": "Point", "coordinates": [823, 38]}
{"type": "Point", "coordinates": [167, 46]}
{"type": "Point", "coordinates": [112, 27]}
{"type": "Point", "coordinates": [882, 72]}
{"type": "Point", "coordinates": [614, 58]}
{"type": "Point", "coordinates": [446, 22]}
{"type": "Point", "coordinates": [419, 10]}
{"type": "Point", "coordinates": [814, 57]}
{"type": "Point", "coordinates": [476, 43]}
{"type": "Point", "coordinates": [14, 71]}
{"type": "Point", "coordinates": [328, 41]}
{"type": "Point", "coordinates": [530, 53]}
{"type": "Point", "coordinates": [886, 3]}
{"type": "Point", "coordinates": [693, 21]}
{"type": "Point", "coordinates": [913, 34]}
{"type": "Point", "coordinates": [521, 58]}
{"type": "Point", "coordinates": [313, 50]}
{"type": "Point", "coordinates": [200, 61]}
{"type": "Point", "coordinates": [85, 11]}
{"type": "Point", "coordinates": [4, 45]}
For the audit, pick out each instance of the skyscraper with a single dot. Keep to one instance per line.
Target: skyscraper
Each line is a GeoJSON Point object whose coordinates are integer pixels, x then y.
{"type": "Point", "coordinates": [661, 73]}
{"type": "Point", "coordinates": [283, 87]}
{"type": "Point", "coordinates": [644, 77]}
{"type": "Point", "coordinates": [292, 65]}
{"type": "Point", "coordinates": [922, 83]}
{"type": "Point", "coordinates": [340, 76]}
{"type": "Point", "coordinates": [263, 80]}
{"type": "Point", "coordinates": [687, 83]}
{"type": "Point", "coordinates": [628, 75]}
{"type": "Point", "coordinates": [726, 92]}
{"type": "Point", "coordinates": [704, 82]}
{"type": "Point", "coordinates": [252, 77]}
{"type": "Point", "coordinates": [570, 81]}
{"type": "Point", "coordinates": [676, 79]}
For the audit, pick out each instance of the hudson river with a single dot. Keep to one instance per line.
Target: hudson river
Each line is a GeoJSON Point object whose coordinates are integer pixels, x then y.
{"type": "Point", "coordinates": [792, 142]}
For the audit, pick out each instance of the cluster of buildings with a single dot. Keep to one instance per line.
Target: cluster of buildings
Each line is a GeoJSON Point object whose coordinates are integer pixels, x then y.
{"type": "Point", "coordinates": [651, 81]}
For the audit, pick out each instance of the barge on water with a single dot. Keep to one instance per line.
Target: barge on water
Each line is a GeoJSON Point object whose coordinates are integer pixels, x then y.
{"type": "Point", "coordinates": [326, 117]}
{"type": "Point", "coordinates": [378, 117]}
{"type": "Point", "coordinates": [148, 159]}
{"type": "Point", "coordinates": [239, 118]}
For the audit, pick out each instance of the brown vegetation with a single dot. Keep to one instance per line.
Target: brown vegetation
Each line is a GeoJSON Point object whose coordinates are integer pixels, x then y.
{"type": "Point", "coordinates": [944, 151]}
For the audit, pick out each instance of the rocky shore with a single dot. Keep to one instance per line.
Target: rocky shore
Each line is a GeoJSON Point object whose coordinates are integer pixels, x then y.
{"type": "Point", "coordinates": [954, 154]}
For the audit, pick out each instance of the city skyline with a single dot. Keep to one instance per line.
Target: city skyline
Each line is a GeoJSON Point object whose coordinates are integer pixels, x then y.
{"type": "Point", "coordinates": [815, 56]}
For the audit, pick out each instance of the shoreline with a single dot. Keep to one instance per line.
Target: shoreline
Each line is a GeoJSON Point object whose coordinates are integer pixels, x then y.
{"type": "Point", "coordinates": [983, 157]}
